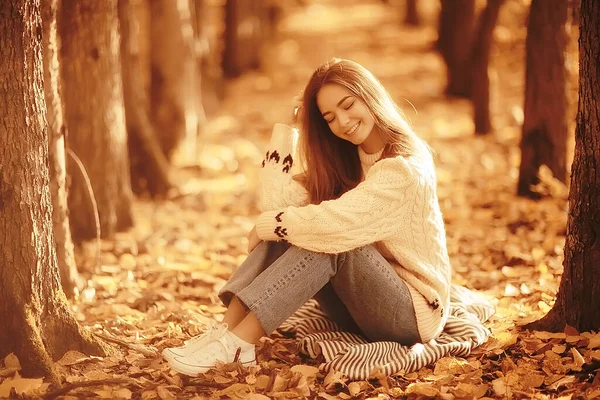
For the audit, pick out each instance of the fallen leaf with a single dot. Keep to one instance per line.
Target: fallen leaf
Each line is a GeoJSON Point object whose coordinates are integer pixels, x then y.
{"type": "Point", "coordinates": [423, 389]}
{"type": "Point", "coordinates": [559, 348]}
{"type": "Point", "coordinates": [72, 357]}
{"type": "Point", "coordinates": [306, 370]}
{"type": "Point", "coordinates": [353, 388]}
{"type": "Point", "coordinates": [12, 361]}
{"type": "Point", "coordinates": [578, 359]}
{"type": "Point", "coordinates": [21, 385]}
{"type": "Point", "coordinates": [499, 386]}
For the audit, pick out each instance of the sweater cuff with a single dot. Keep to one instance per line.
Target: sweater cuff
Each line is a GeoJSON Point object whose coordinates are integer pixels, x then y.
{"type": "Point", "coordinates": [267, 226]}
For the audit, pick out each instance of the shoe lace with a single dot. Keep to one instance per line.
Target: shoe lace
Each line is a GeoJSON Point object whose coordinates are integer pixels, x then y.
{"type": "Point", "coordinates": [214, 329]}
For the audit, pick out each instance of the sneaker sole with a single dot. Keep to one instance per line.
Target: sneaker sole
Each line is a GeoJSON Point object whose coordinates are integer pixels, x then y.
{"type": "Point", "coordinates": [195, 371]}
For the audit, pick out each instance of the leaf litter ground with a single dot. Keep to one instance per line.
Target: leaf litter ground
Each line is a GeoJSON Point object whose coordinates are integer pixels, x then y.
{"type": "Point", "coordinates": [156, 286]}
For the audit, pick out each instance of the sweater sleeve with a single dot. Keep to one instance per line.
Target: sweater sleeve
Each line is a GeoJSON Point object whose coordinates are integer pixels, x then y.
{"type": "Point", "coordinates": [372, 211]}
{"type": "Point", "coordinates": [277, 187]}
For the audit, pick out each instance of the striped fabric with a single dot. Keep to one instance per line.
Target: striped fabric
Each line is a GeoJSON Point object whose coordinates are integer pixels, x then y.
{"type": "Point", "coordinates": [356, 358]}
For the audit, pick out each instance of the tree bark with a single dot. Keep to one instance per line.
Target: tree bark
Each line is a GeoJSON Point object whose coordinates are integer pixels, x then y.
{"type": "Point", "coordinates": [579, 291]}
{"type": "Point", "coordinates": [35, 321]}
{"type": "Point", "coordinates": [173, 76]}
{"type": "Point", "coordinates": [243, 36]}
{"type": "Point", "coordinates": [412, 13]}
{"type": "Point", "coordinates": [56, 150]}
{"type": "Point", "coordinates": [93, 94]}
{"type": "Point", "coordinates": [455, 38]}
{"type": "Point", "coordinates": [148, 165]}
{"type": "Point", "coordinates": [480, 60]}
{"type": "Point", "coordinates": [545, 124]}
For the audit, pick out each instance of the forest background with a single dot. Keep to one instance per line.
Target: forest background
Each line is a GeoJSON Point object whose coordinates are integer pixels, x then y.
{"type": "Point", "coordinates": [129, 156]}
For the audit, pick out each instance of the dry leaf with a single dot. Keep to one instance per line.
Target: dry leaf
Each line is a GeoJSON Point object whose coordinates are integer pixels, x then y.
{"type": "Point", "coordinates": [21, 385]}
{"type": "Point", "coordinates": [578, 359]}
{"type": "Point", "coordinates": [72, 357]}
{"type": "Point", "coordinates": [354, 388]}
{"type": "Point", "coordinates": [499, 386]}
{"type": "Point", "coordinates": [423, 389]}
{"type": "Point", "coordinates": [12, 361]}
{"type": "Point", "coordinates": [122, 393]}
{"type": "Point", "coordinates": [332, 378]}
{"type": "Point", "coordinates": [164, 393]}
{"type": "Point", "coordinates": [559, 348]}
{"type": "Point", "coordinates": [306, 370]}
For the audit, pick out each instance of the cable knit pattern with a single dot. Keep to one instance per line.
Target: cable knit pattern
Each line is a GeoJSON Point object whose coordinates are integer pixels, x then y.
{"type": "Point", "coordinates": [395, 207]}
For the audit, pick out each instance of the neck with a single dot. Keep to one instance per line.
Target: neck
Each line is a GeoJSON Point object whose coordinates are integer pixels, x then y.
{"type": "Point", "coordinates": [373, 143]}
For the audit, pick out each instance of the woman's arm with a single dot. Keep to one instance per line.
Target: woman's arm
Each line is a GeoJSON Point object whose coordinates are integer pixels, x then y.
{"type": "Point", "coordinates": [277, 187]}
{"type": "Point", "coordinates": [374, 210]}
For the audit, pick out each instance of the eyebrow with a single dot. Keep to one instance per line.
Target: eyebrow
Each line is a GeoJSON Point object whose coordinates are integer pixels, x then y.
{"type": "Point", "coordinates": [338, 104]}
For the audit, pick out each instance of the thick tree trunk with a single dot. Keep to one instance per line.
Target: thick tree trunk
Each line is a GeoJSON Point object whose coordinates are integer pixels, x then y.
{"type": "Point", "coordinates": [35, 321]}
{"type": "Point", "coordinates": [412, 13]}
{"type": "Point", "coordinates": [148, 165]}
{"type": "Point", "coordinates": [93, 94]}
{"type": "Point", "coordinates": [480, 60]}
{"type": "Point", "coordinates": [579, 292]}
{"type": "Point", "coordinates": [173, 76]}
{"type": "Point", "coordinates": [243, 36]}
{"type": "Point", "coordinates": [545, 124]}
{"type": "Point", "coordinates": [455, 38]}
{"type": "Point", "coordinates": [56, 150]}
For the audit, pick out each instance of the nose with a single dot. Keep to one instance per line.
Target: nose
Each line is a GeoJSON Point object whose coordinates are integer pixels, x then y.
{"type": "Point", "coordinates": [344, 119]}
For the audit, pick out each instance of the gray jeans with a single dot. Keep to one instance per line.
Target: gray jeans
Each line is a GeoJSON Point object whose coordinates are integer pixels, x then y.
{"type": "Point", "coordinates": [358, 289]}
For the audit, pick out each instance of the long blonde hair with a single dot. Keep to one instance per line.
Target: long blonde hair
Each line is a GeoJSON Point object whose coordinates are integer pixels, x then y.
{"type": "Point", "coordinates": [332, 165]}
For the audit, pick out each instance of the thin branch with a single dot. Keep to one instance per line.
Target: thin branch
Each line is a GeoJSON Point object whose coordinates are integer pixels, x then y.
{"type": "Point", "coordinates": [76, 385]}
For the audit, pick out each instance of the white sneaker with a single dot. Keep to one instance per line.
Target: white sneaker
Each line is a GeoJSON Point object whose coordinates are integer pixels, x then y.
{"type": "Point", "coordinates": [213, 331]}
{"type": "Point", "coordinates": [222, 349]}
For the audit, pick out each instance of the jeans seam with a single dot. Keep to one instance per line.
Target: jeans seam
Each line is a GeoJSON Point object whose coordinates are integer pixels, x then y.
{"type": "Point", "coordinates": [302, 264]}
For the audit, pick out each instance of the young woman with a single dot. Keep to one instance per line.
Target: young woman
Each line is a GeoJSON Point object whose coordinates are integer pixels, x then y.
{"type": "Point", "coordinates": [360, 229]}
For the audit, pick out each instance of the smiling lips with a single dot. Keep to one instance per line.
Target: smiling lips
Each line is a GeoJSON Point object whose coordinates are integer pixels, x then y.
{"type": "Point", "coordinates": [353, 130]}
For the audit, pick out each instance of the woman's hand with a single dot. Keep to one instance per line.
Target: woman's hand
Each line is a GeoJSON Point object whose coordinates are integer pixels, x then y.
{"type": "Point", "coordinates": [253, 240]}
{"type": "Point", "coordinates": [297, 111]}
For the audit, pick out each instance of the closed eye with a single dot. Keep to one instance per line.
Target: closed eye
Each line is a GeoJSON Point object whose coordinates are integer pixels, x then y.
{"type": "Point", "coordinates": [349, 106]}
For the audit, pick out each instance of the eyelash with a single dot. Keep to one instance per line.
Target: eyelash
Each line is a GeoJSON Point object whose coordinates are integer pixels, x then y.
{"type": "Point", "coordinates": [345, 108]}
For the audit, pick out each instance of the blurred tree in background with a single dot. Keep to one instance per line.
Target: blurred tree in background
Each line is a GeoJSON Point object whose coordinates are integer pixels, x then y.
{"type": "Point", "coordinates": [93, 96]}
{"type": "Point", "coordinates": [545, 120]}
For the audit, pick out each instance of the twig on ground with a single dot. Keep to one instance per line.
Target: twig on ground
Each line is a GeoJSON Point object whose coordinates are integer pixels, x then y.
{"type": "Point", "coordinates": [76, 385]}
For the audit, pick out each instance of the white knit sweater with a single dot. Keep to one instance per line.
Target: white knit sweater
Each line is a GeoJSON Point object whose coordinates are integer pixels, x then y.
{"type": "Point", "coordinates": [395, 208]}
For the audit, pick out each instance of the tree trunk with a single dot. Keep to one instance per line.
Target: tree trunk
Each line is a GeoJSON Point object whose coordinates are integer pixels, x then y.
{"type": "Point", "coordinates": [545, 124]}
{"type": "Point", "coordinates": [35, 321]}
{"type": "Point", "coordinates": [480, 59]}
{"type": "Point", "coordinates": [243, 36]}
{"type": "Point", "coordinates": [148, 165]}
{"type": "Point", "coordinates": [412, 13]}
{"type": "Point", "coordinates": [93, 94]}
{"type": "Point", "coordinates": [198, 10]}
{"type": "Point", "coordinates": [209, 58]}
{"type": "Point", "coordinates": [579, 292]}
{"type": "Point", "coordinates": [456, 28]}
{"type": "Point", "coordinates": [56, 150]}
{"type": "Point", "coordinates": [173, 76]}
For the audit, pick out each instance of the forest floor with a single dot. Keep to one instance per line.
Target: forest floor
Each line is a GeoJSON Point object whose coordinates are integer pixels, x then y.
{"type": "Point", "coordinates": [155, 286]}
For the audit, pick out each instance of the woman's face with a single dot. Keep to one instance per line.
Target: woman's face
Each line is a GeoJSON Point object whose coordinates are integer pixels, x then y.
{"type": "Point", "coordinates": [348, 117]}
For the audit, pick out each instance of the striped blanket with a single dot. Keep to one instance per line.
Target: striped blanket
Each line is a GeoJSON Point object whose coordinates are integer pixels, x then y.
{"type": "Point", "coordinates": [356, 358]}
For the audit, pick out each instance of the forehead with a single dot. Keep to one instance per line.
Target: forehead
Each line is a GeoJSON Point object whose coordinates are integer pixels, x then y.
{"type": "Point", "coordinates": [329, 95]}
